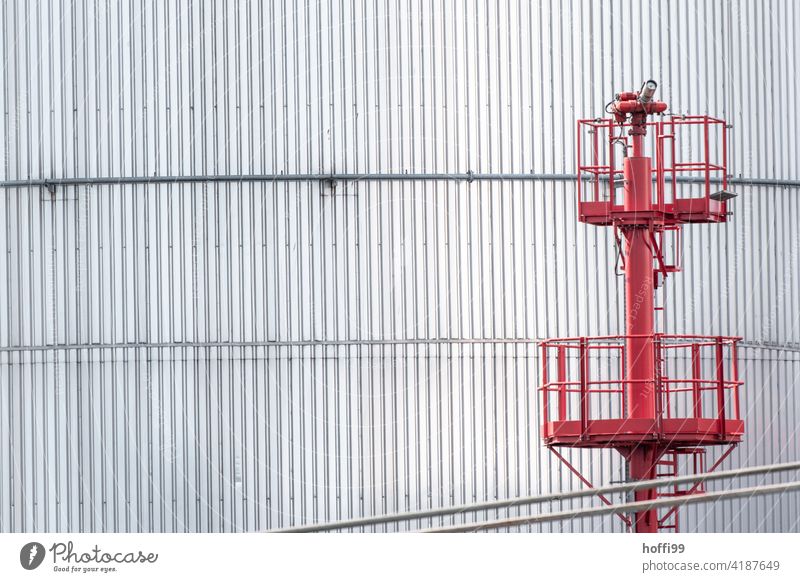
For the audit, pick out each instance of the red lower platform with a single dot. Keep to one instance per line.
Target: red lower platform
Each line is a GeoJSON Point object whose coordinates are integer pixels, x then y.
{"type": "Point", "coordinates": [585, 388]}
{"type": "Point", "coordinates": [632, 431]}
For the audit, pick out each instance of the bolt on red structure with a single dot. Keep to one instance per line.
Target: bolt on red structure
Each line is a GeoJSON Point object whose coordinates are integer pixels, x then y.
{"type": "Point", "coordinates": [658, 399]}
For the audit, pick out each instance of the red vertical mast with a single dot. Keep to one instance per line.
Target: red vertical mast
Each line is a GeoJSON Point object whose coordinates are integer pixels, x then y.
{"type": "Point", "coordinates": [639, 302]}
{"type": "Point", "coordinates": [661, 424]}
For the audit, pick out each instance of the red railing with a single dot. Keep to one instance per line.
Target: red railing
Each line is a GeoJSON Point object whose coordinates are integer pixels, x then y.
{"type": "Point", "coordinates": [600, 144]}
{"type": "Point", "coordinates": [695, 377]}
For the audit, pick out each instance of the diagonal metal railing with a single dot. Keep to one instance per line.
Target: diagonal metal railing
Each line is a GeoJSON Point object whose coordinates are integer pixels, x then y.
{"type": "Point", "coordinates": [628, 487]}
{"type": "Point", "coordinates": [621, 508]}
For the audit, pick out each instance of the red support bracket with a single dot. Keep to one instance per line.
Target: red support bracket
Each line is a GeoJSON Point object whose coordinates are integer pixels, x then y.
{"type": "Point", "coordinates": [696, 486]}
{"type": "Point", "coordinates": [620, 250]}
{"type": "Point", "coordinates": [588, 483]}
{"type": "Point", "coordinates": [662, 267]}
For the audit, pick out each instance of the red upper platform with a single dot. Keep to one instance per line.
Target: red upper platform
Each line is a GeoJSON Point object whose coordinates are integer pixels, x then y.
{"type": "Point", "coordinates": [686, 150]}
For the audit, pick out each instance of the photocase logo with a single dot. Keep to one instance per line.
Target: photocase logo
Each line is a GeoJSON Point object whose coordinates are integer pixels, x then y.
{"type": "Point", "coordinates": [31, 555]}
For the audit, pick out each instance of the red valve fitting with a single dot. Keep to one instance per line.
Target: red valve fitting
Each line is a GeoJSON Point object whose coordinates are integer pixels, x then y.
{"type": "Point", "coordinates": [638, 105]}
{"type": "Point", "coordinates": [627, 96]}
{"type": "Point", "coordinates": [635, 106]}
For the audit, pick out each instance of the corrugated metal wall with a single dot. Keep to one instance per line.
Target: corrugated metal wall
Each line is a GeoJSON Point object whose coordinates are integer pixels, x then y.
{"type": "Point", "coordinates": [242, 356]}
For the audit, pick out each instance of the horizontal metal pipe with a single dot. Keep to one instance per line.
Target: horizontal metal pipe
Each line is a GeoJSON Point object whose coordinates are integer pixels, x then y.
{"type": "Point", "coordinates": [263, 344]}
{"type": "Point", "coordinates": [623, 508]}
{"type": "Point", "coordinates": [336, 177]}
{"type": "Point", "coordinates": [762, 182]}
{"type": "Point", "coordinates": [535, 499]}
{"type": "Point", "coordinates": [322, 343]}
{"type": "Point", "coordinates": [52, 183]}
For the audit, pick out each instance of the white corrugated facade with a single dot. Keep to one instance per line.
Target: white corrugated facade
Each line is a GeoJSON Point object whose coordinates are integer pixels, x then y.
{"type": "Point", "coordinates": [246, 355]}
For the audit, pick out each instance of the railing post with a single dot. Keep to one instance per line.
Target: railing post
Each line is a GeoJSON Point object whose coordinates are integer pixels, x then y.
{"type": "Point", "coordinates": [612, 197]}
{"type": "Point", "coordinates": [697, 375]}
{"type": "Point", "coordinates": [735, 370]}
{"type": "Point", "coordinates": [562, 383]}
{"type": "Point", "coordinates": [545, 391]}
{"type": "Point", "coordinates": [579, 186]}
{"type": "Point", "coordinates": [725, 159]}
{"type": "Point", "coordinates": [674, 173]}
{"type": "Point", "coordinates": [659, 389]}
{"type": "Point", "coordinates": [622, 383]}
{"type": "Point", "coordinates": [660, 167]}
{"type": "Point", "coordinates": [720, 387]}
{"type": "Point", "coordinates": [584, 373]}
{"type": "Point", "coordinates": [708, 161]}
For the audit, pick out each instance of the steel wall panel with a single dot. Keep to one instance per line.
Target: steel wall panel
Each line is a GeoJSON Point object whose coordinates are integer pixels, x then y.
{"type": "Point", "coordinates": [239, 356]}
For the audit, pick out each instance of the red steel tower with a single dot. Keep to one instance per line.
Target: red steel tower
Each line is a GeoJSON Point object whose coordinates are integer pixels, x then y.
{"type": "Point", "coordinates": [658, 399]}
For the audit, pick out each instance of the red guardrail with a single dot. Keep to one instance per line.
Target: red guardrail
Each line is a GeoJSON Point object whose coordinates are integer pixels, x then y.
{"type": "Point", "coordinates": [583, 379]}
